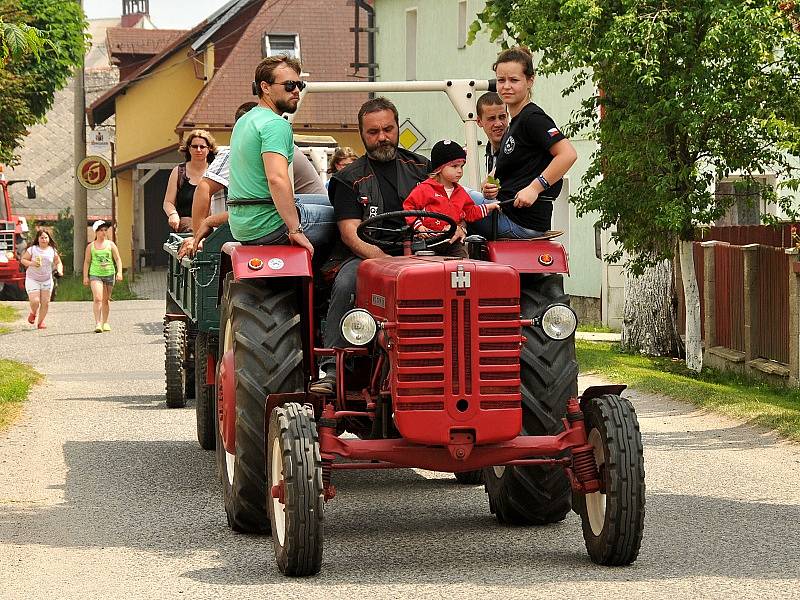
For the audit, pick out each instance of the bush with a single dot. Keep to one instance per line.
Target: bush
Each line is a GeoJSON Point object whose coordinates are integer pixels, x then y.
{"type": "Point", "coordinates": [63, 233]}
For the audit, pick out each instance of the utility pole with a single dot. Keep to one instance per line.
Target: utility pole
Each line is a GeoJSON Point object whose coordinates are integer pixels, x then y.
{"type": "Point", "coordinates": [79, 192]}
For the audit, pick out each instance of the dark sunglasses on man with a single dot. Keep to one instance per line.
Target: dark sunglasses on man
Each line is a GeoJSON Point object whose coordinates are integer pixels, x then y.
{"type": "Point", "coordinates": [288, 85]}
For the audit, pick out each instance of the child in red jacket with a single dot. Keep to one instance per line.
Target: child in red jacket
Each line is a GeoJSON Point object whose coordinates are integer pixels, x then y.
{"type": "Point", "coordinates": [441, 193]}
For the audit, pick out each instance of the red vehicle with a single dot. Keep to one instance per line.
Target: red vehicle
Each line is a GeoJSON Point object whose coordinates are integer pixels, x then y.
{"type": "Point", "coordinates": [457, 365]}
{"type": "Point", "coordinates": [12, 242]}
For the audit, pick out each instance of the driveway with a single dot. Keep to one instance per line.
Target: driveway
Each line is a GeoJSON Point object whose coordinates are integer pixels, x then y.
{"type": "Point", "coordinates": [105, 493]}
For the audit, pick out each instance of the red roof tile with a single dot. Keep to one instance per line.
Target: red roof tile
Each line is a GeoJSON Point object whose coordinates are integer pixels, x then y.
{"type": "Point", "coordinates": [123, 40]}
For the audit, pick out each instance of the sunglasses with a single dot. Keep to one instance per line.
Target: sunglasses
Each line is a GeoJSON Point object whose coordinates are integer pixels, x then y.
{"type": "Point", "coordinates": [198, 147]}
{"type": "Point", "coordinates": [290, 85]}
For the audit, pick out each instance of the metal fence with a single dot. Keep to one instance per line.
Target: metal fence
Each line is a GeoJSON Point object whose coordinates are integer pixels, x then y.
{"type": "Point", "coordinates": [772, 336]}
{"type": "Point", "coordinates": [729, 296]}
{"type": "Point", "coordinates": [779, 236]}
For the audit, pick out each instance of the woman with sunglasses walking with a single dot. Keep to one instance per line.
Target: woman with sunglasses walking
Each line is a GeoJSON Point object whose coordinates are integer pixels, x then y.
{"type": "Point", "coordinates": [199, 150]}
{"type": "Point", "coordinates": [102, 268]}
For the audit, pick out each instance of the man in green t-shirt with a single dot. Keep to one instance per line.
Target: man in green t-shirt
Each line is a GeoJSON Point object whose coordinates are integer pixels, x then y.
{"type": "Point", "coordinates": [261, 204]}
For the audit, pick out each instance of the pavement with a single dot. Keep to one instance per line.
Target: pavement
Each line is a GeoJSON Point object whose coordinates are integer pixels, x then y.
{"type": "Point", "coordinates": [105, 493]}
{"type": "Point", "coordinates": [150, 284]}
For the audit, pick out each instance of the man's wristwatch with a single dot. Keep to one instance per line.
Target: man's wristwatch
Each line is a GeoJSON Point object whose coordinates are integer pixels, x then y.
{"type": "Point", "coordinates": [298, 229]}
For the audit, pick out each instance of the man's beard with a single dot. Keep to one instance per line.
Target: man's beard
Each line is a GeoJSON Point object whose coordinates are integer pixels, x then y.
{"type": "Point", "coordinates": [382, 152]}
{"type": "Point", "coordinates": [286, 106]}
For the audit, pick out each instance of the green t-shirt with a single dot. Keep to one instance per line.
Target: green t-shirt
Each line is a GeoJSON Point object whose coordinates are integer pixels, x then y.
{"type": "Point", "coordinates": [258, 131]}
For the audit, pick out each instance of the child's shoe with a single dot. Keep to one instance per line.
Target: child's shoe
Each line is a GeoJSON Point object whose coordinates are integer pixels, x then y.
{"type": "Point", "coordinates": [31, 318]}
{"type": "Point", "coordinates": [41, 326]}
{"type": "Point", "coordinates": [99, 328]}
{"type": "Point", "coordinates": [106, 327]}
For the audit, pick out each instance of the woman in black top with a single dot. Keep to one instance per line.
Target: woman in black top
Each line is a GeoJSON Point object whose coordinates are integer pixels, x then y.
{"type": "Point", "coordinates": [534, 155]}
{"type": "Point", "coordinates": [199, 150]}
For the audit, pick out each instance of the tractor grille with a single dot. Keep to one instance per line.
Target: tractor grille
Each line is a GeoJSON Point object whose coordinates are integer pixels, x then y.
{"type": "Point", "coordinates": [6, 240]}
{"type": "Point", "coordinates": [465, 347]}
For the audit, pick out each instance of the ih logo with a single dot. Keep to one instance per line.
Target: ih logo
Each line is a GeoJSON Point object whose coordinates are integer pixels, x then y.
{"type": "Point", "coordinates": [459, 279]}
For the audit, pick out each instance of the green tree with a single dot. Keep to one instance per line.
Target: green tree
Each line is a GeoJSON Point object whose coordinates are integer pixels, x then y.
{"type": "Point", "coordinates": [29, 81]}
{"type": "Point", "coordinates": [684, 92]}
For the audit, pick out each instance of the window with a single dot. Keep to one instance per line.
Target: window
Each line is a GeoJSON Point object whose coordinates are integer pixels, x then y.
{"type": "Point", "coordinates": [462, 24]}
{"type": "Point", "coordinates": [411, 44]}
{"type": "Point", "coordinates": [281, 43]}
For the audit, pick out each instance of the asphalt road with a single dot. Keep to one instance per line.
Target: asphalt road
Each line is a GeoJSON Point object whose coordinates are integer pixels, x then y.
{"type": "Point", "coordinates": [105, 493]}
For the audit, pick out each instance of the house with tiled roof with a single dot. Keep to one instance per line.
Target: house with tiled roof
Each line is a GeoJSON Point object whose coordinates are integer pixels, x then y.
{"type": "Point", "coordinates": [197, 81]}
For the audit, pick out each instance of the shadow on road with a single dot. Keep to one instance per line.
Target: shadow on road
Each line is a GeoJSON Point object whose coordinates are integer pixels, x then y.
{"type": "Point", "coordinates": [384, 526]}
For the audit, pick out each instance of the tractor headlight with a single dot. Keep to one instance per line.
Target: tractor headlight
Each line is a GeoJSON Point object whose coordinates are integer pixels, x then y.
{"type": "Point", "coordinates": [358, 327]}
{"type": "Point", "coordinates": [558, 322]}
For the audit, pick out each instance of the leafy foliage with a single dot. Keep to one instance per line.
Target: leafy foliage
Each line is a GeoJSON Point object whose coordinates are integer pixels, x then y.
{"type": "Point", "coordinates": [17, 40]}
{"type": "Point", "coordinates": [29, 82]}
{"type": "Point", "coordinates": [689, 91]}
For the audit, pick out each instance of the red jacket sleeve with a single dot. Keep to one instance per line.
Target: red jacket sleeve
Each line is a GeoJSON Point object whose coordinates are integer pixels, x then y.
{"type": "Point", "coordinates": [415, 201]}
{"type": "Point", "coordinates": [473, 212]}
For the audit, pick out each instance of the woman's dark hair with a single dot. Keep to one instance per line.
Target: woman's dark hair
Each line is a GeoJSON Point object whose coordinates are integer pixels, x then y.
{"type": "Point", "coordinates": [338, 155]}
{"type": "Point", "coordinates": [204, 135]}
{"type": "Point", "coordinates": [517, 54]}
{"type": "Point", "coordinates": [40, 231]}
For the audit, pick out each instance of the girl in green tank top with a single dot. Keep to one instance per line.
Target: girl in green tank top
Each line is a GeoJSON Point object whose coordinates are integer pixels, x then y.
{"type": "Point", "coordinates": [102, 267]}
{"type": "Point", "coordinates": [102, 264]}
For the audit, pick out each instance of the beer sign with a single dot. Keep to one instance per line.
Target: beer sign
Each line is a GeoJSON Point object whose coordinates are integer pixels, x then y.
{"type": "Point", "coordinates": [93, 172]}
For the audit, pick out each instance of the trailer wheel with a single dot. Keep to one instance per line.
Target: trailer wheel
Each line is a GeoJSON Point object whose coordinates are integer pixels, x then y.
{"type": "Point", "coordinates": [613, 518]}
{"type": "Point", "coordinates": [205, 393]}
{"type": "Point", "coordinates": [470, 477]}
{"type": "Point", "coordinates": [296, 497]}
{"type": "Point", "coordinates": [261, 327]}
{"type": "Point", "coordinates": [549, 374]}
{"type": "Point", "coordinates": [175, 357]}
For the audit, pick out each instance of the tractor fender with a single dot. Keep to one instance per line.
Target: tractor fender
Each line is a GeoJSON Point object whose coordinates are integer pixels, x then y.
{"type": "Point", "coordinates": [257, 262]}
{"type": "Point", "coordinates": [529, 256]}
{"type": "Point", "coordinates": [596, 391]}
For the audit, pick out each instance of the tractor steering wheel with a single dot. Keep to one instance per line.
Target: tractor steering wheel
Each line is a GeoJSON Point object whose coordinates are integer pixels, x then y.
{"type": "Point", "coordinates": [397, 236]}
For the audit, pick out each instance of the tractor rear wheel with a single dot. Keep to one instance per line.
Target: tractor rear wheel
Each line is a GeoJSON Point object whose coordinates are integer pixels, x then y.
{"type": "Point", "coordinates": [549, 374]}
{"type": "Point", "coordinates": [470, 477]}
{"type": "Point", "coordinates": [296, 498]}
{"type": "Point", "coordinates": [613, 518]}
{"type": "Point", "coordinates": [261, 327]}
{"type": "Point", "coordinates": [205, 393]}
{"type": "Point", "coordinates": [175, 357]}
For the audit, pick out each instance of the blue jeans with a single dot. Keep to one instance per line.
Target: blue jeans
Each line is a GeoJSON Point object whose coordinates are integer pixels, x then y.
{"type": "Point", "coordinates": [343, 298]}
{"type": "Point", "coordinates": [320, 199]}
{"type": "Point", "coordinates": [317, 221]}
{"type": "Point", "coordinates": [506, 228]}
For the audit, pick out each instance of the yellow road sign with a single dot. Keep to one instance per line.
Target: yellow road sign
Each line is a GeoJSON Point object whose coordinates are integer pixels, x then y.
{"type": "Point", "coordinates": [411, 138]}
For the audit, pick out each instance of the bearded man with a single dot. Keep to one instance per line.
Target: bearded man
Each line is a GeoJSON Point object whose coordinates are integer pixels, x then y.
{"type": "Point", "coordinates": [374, 184]}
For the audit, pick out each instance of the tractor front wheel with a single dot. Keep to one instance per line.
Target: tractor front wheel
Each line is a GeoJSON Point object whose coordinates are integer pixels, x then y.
{"type": "Point", "coordinates": [613, 518]}
{"type": "Point", "coordinates": [295, 490]}
{"type": "Point", "coordinates": [175, 357]}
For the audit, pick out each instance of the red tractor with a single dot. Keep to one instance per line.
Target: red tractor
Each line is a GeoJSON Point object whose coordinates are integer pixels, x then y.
{"type": "Point", "coordinates": [12, 242]}
{"type": "Point", "coordinates": [456, 365]}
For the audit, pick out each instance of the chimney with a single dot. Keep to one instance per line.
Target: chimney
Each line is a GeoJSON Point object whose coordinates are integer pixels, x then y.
{"type": "Point", "coordinates": [133, 11]}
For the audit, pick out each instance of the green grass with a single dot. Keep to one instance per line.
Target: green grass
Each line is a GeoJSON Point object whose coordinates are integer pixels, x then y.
{"type": "Point", "coordinates": [733, 395]}
{"type": "Point", "coordinates": [596, 328]}
{"type": "Point", "coordinates": [8, 314]}
{"type": "Point", "coordinates": [16, 380]}
{"type": "Point", "coordinates": [71, 288]}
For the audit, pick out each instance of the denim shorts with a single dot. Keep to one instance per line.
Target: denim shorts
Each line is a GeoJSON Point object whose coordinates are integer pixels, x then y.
{"type": "Point", "coordinates": [106, 279]}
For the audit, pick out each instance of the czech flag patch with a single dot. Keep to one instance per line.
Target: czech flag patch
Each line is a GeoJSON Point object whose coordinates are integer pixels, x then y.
{"type": "Point", "coordinates": [553, 132]}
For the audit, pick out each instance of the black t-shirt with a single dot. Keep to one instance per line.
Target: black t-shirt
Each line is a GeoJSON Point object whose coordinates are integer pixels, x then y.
{"type": "Point", "coordinates": [347, 204]}
{"type": "Point", "coordinates": [524, 154]}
